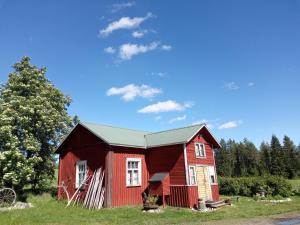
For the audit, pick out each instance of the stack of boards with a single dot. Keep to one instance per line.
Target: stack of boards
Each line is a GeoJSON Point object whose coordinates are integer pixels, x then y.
{"type": "Point", "coordinates": [94, 197]}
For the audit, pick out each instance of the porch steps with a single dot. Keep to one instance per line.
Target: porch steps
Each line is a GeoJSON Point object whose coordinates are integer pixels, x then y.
{"type": "Point", "coordinates": [215, 204]}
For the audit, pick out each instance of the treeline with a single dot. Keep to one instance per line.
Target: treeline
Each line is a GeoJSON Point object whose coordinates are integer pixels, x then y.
{"type": "Point", "coordinates": [243, 159]}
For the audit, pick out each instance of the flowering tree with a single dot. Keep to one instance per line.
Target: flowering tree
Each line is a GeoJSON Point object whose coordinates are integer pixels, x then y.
{"type": "Point", "coordinates": [33, 118]}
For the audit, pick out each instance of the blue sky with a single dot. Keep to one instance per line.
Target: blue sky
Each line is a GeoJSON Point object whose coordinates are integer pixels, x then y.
{"type": "Point", "coordinates": [155, 65]}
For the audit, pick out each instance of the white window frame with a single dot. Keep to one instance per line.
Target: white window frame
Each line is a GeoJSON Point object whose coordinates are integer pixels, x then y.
{"type": "Point", "coordinates": [80, 163]}
{"type": "Point", "coordinates": [212, 172]}
{"type": "Point", "coordinates": [139, 160]}
{"type": "Point", "coordinates": [204, 150]}
{"type": "Point", "coordinates": [190, 175]}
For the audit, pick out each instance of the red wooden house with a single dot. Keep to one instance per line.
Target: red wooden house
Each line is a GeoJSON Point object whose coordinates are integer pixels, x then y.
{"type": "Point", "coordinates": [177, 164]}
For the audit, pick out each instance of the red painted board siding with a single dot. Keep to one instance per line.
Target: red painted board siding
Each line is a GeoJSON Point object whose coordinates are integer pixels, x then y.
{"type": "Point", "coordinates": [160, 188]}
{"type": "Point", "coordinates": [183, 196]}
{"type": "Point", "coordinates": [191, 156]}
{"type": "Point", "coordinates": [167, 159]}
{"type": "Point", "coordinates": [80, 145]}
{"type": "Point", "coordinates": [209, 160]}
{"type": "Point", "coordinates": [79, 137]}
{"type": "Point", "coordinates": [215, 192]}
{"type": "Point", "coordinates": [95, 157]}
{"type": "Point", "coordinates": [121, 194]}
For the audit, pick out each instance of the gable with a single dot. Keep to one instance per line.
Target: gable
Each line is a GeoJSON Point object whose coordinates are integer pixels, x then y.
{"type": "Point", "coordinates": [78, 137]}
{"type": "Point", "coordinates": [207, 136]}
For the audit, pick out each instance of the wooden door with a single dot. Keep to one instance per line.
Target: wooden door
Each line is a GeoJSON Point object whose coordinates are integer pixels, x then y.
{"type": "Point", "coordinates": [204, 188]}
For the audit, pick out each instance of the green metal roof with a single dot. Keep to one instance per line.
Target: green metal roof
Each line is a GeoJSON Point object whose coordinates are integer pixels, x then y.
{"type": "Point", "coordinates": [117, 136]}
{"type": "Point", "coordinates": [180, 135]}
{"type": "Point", "coordinates": [142, 139]}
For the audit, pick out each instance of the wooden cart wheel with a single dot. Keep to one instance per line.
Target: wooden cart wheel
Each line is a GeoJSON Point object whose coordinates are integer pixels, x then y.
{"type": "Point", "coordinates": [7, 197]}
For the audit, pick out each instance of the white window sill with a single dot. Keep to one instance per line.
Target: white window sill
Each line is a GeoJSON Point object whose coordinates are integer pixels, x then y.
{"type": "Point", "coordinates": [129, 186]}
{"type": "Point", "coordinates": [201, 157]}
{"type": "Point", "coordinates": [215, 184]}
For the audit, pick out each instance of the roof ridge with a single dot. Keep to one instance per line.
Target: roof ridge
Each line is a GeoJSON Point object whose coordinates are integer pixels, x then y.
{"type": "Point", "coordinates": [179, 128]}
{"type": "Point", "coordinates": [113, 126]}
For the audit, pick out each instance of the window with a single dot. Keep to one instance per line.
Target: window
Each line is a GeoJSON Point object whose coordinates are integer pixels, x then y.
{"type": "Point", "coordinates": [200, 150]}
{"type": "Point", "coordinates": [133, 172]}
{"type": "Point", "coordinates": [212, 174]}
{"type": "Point", "coordinates": [80, 172]}
{"type": "Point", "coordinates": [192, 172]}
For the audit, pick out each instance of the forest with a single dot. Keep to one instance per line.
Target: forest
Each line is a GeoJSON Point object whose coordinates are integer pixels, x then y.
{"type": "Point", "coordinates": [244, 159]}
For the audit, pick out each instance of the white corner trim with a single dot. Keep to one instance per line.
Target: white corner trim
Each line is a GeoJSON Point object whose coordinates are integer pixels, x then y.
{"type": "Point", "coordinates": [185, 165]}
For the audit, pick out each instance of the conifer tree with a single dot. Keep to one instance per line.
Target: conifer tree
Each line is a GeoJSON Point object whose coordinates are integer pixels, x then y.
{"type": "Point", "coordinates": [277, 158]}
{"type": "Point", "coordinates": [265, 158]}
{"type": "Point", "coordinates": [289, 150]}
{"type": "Point", "coordinates": [223, 160]}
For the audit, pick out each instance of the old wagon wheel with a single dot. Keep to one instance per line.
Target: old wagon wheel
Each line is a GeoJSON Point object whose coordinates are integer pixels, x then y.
{"type": "Point", "coordinates": [7, 197]}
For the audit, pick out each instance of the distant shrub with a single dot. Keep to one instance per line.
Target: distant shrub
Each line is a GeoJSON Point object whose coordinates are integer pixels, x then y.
{"type": "Point", "coordinates": [249, 186]}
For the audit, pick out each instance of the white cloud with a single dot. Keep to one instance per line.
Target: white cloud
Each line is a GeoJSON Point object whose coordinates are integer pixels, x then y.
{"type": "Point", "coordinates": [157, 118]}
{"type": "Point", "coordinates": [208, 124]}
{"type": "Point", "coordinates": [166, 47]}
{"type": "Point", "coordinates": [128, 50]}
{"type": "Point", "coordinates": [179, 118]}
{"type": "Point", "coordinates": [131, 91]}
{"type": "Point", "coordinates": [119, 6]}
{"type": "Point", "coordinates": [250, 84]}
{"type": "Point", "coordinates": [159, 74]}
{"type": "Point", "coordinates": [110, 50]}
{"type": "Point", "coordinates": [231, 86]}
{"type": "Point", "coordinates": [139, 33]}
{"type": "Point", "coordinates": [230, 124]}
{"type": "Point", "coordinates": [124, 23]}
{"type": "Point", "coordinates": [166, 106]}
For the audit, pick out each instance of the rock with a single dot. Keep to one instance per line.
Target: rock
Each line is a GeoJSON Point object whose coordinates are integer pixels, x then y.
{"type": "Point", "coordinates": [22, 205]}
{"type": "Point", "coordinates": [153, 210]}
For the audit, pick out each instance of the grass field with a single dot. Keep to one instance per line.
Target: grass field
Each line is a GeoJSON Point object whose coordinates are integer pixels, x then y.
{"type": "Point", "coordinates": [295, 184]}
{"type": "Point", "coordinates": [48, 211]}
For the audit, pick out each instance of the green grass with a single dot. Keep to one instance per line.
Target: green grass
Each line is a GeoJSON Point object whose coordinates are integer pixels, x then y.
{"type": "Point", "coordinates": [48, 211]}
{"type": "Point", "coordinates": [295, 184]}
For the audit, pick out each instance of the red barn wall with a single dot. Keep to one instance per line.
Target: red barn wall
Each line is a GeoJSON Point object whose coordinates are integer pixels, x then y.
{"type": "Point", "coordinates": [167, 159]}
{"type": "Point", "coordinates": [80, 145]}
{"type": "Point", "coordinates": [121, 194]}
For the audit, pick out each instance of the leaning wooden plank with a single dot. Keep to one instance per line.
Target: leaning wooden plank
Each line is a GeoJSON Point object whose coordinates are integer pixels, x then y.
{"type": "Point", "coordinates": [78, 189]}
{"type": "Point", "coordinates": [101, 195]}
{"type": "Point", "coordinates": [99, 187]}
{"type": "Point", "coordinates": [94, 189]}
{"type": "Point", "coordinates": [88, 194]}
{"type": "Point", "coordinates": [101, 199]}
{"type": "Point", "coordinates": [97, 198]}
{"type": "Point", "coordinates": [88, 191]}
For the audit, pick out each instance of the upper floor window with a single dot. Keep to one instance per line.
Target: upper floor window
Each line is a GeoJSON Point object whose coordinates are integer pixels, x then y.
{"type": "Point", "coordinates": [81, 168]}
{"type": "Point", "coordinates": [133, 170]}
{"type": "Point", "coordinates": [200, 150]}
